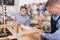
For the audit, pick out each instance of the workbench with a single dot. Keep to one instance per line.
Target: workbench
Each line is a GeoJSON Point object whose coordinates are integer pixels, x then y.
{"type": "Point", "coordinates": [28, 33]}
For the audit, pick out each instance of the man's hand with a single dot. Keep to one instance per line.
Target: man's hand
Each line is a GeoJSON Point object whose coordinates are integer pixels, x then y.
{"type": "Point", "coordinates": [39, 31]}
{"type": "Point", "coordinates": [41, 18]}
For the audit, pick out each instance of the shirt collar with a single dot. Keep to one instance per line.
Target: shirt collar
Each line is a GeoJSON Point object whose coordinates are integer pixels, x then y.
{"type": "Point", "coordinates": [21, 15]}
{"type": "Point", "coordinates": [55, 17]}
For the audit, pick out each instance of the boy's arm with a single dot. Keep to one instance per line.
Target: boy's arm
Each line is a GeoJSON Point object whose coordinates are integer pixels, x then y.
{"type": "Point", "coordinates": [14, 20]}
{"type": "Point", "coordinates": [28, 23]}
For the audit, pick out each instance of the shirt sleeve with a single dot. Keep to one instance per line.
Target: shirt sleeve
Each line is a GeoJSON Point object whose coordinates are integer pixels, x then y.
{"type": "Point", "coordinates": [28, 23]}
{"type": "Point", "coordinates": [58, 24]}
{"type": "Point", "coordinates": [11, 14]}
{"type": "Point", "coordinates": [53, 36]}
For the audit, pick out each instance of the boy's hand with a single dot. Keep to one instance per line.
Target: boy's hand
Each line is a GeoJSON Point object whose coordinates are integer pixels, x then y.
{"type": "Point", "coordinates": [14, 20]}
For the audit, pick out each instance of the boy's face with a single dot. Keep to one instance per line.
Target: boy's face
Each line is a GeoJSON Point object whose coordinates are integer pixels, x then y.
{"type": "Point", "coordinates": [23, 11]}
{"type": "Point", "coordinates": [54, 10]}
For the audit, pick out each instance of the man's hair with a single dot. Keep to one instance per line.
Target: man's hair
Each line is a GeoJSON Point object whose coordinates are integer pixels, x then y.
{"type": "Point", "coordinates": [23, 7]}
{"type": "Point", "coordinates": [51, 3]}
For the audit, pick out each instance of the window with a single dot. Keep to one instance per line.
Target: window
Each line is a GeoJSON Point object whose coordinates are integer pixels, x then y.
{"type": "Point", "coordinates": [7, 2]}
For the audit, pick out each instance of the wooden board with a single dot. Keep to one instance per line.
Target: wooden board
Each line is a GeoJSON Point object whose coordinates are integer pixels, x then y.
{"type": "Point", "coordinates": [28, 34]}
{"type": "Point", "coordinates": [4, 38]}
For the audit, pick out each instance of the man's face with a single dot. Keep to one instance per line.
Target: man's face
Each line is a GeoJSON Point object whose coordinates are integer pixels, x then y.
{"type": "Point", "coordinates": [23, 12]}
{"type": "Point", "coordinates": [54, 10]}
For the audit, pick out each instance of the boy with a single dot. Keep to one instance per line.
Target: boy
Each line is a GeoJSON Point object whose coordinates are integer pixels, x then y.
{"type": "Point", "coordinates": [53, 6]}
{"type": "Point", "coordinates": [22, 17]}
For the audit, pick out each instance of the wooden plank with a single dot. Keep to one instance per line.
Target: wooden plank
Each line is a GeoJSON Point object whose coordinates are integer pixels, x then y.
{"type": "Point", "coordinates": [29, 33]}
{"type": "Point", "coordinates": [7, 25]}
{"type": "Point", "coordinates": [4, 38]}
{"type": "Point", "coordinates": [16, 28]}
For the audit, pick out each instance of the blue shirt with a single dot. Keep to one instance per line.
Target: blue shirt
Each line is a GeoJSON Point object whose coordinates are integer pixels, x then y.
{"type": "Point", "coordinates": [56, 35]}
{"type": "Point", "coordinates": [24, 20]}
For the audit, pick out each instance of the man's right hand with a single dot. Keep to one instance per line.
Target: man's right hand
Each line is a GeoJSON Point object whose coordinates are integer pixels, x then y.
{"type": "Point", "coordinates": [39, 31]}
{"type": "Point", "coordinates": [41, 18]}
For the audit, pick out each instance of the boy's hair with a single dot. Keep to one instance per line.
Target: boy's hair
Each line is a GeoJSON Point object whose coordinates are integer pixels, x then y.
{"type": "Point", "coordinates": [23, 7]}
{"type": "Point", "coordinates": [51, 3]}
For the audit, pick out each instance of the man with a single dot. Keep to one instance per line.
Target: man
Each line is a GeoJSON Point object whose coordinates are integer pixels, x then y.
{"type": "Point", "coordinates": [53, 6]}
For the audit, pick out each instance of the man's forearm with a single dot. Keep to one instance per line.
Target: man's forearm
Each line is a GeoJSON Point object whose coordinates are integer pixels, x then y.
{"type": "Point", "coordinates": [49, 36]}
